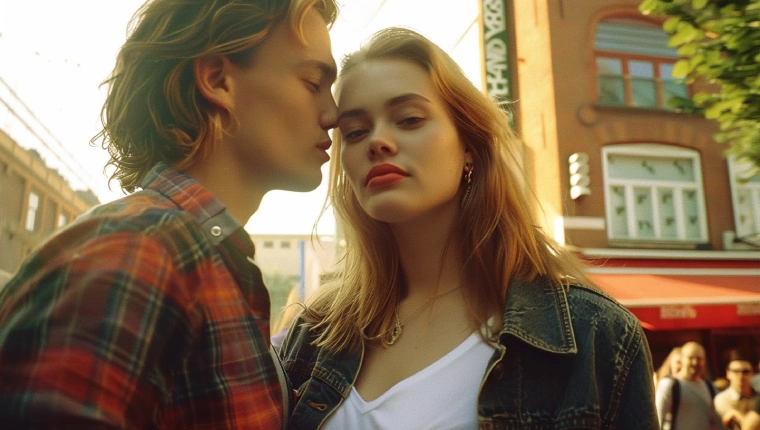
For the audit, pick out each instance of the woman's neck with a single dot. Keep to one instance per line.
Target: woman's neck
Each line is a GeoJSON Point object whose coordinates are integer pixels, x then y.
{"type": "Point", "coordinates": [430, 258]}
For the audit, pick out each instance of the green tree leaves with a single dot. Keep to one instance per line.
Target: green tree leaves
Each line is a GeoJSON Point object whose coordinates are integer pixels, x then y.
{"type": "Point", "coordinates": [720, 43]}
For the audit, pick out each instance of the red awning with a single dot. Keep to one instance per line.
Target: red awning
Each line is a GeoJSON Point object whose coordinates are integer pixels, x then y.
{"type": "Point", "coordinates": [686, 301]}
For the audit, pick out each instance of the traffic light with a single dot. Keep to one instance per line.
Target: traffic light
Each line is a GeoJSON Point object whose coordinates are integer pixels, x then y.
{"type": "Point", "coordinates": [579, 179]}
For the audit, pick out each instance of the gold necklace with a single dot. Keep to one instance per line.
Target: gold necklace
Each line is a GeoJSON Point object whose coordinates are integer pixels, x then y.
{"type": "Point", "coordinates": [394, 333]}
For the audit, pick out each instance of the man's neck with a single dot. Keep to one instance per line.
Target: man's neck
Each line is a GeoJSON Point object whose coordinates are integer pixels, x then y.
{"type": "Point", "coordinates": [240, 198]}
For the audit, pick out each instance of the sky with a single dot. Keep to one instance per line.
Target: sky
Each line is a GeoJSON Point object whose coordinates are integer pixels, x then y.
{"type": "Point", "coordinates": [54, 55]}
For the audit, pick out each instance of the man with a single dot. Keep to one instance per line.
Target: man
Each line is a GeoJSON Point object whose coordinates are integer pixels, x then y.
{"type": "Point", "coordinates": [739, 403]}
{"type": "Point", "coordinates": [147, 312]}
{"type": "Point", "coordinates": [685, 402]}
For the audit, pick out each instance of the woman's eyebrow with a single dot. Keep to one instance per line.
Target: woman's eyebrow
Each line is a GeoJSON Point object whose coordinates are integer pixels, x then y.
{"type": "Point", "coordinates": [397, 100]}
{"type": "Point", "coordinates": [405, 98]}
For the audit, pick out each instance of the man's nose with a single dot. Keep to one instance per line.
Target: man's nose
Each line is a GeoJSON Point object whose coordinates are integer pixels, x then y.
{"type": "Point", "coordinates": [329, 117]}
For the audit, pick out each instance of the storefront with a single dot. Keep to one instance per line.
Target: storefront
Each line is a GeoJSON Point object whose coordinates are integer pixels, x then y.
{"type": "Point", "coordinates": [706, 296]}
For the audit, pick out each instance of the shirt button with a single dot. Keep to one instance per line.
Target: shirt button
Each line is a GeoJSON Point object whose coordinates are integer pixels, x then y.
{"type": "Point", "coordinates": [216, 231]}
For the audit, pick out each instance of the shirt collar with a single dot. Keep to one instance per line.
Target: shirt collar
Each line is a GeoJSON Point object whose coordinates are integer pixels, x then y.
{"type": "Point", "coordinates": [220, 229]}
{"type": "Point", "coordinates": [215, 220]}
{"type": "Point", "coordinates": [538, 313]}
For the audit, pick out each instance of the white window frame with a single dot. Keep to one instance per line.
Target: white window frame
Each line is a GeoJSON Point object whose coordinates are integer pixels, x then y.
{"type": "Point", "coordinates": [735, 170]}
{"type": "Point", "coordinates": [33, 205]}
{"type": "Point", "coordinates": [652, 150]}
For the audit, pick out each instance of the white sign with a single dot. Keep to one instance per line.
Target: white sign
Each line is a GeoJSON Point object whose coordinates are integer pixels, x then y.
{"type": "Point", "coordinates": [677, 312]}
{"type": "Point", "coordinates": [748, 309]}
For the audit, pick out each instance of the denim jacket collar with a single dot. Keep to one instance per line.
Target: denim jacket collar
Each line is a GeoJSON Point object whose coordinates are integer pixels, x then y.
{"type": "Point", "coordinates": [538, 313]}
{"type": "Point", "coordinates": [526, 317]}
{"type": "Point", "coordinates": [341, 364]}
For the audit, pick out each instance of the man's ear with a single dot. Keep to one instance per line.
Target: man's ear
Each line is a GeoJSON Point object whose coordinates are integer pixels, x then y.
{"type": "Point", "coordinates": [213, 80]}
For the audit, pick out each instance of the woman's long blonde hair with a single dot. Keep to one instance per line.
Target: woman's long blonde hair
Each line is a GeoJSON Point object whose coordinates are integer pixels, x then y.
{"type": "Point", "coordinates": [495, 227]}
{"type": "Point", "coordinates": [153, 111]}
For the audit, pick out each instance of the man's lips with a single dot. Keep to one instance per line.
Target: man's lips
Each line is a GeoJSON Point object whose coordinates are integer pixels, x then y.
{"type": "Point", "coordinates": [325, 145]}
{"type": "Point", "coordinates": [383, 174]}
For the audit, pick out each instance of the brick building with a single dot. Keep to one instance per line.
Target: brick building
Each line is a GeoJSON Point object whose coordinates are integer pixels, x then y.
{"type": "Point", "coordinates": [641, 191]}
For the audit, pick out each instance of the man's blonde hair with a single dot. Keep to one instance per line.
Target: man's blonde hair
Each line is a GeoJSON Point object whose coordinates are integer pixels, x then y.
{"type": "Point", "coordinates": [153, 111]}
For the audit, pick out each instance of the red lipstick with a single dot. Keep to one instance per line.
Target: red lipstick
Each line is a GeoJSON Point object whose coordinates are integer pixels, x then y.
{"type": "Point", "coordinates": [384, 174]}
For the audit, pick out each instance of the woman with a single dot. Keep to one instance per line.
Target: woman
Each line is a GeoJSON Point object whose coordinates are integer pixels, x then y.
{"type": "Point", "coordinates": [452, 310]}
{"type": "Point", "coordinates": [669, 367]}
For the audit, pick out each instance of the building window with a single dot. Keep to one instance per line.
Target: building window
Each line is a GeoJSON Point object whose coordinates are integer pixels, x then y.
{"type": "Point", "coordinates": [285, 244]}
{"type": "Point", "coordinates": [268, 244]}
{"type": "Point", "coordinates": [654, 193]}
{"type": "Point", "coordinates": [634, 65]}
{"type": "Point", "coordinates": [63, 219]}
{"type": "Point", "coordinates": [745, 195]}
{"type": "Point", "coordinates": [31, 211]}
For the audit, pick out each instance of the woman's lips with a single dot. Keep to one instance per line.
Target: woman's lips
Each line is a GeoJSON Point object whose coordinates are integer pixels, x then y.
{"type": "Point", "coordinates": [384, 174]}
{"type": "Point", "coordinates": [386, 179]}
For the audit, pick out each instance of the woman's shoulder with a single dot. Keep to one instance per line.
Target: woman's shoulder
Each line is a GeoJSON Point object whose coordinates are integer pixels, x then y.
{"type": "Point", "coordinates": [577, 301]}
{"type": "Point", "coordinates": [598, 318]}
{"type": "Point", "coordinates": [595, 299]}
{"type": "Point", "coordinates": [298, 352]}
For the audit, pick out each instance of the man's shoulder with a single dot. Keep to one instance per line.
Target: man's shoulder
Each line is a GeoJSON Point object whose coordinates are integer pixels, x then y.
{"type": "Point", "coordinates": [144, 204]}
{"type": "Point", "coordinates": [122, 227]}
{"type": "Point", "coordinates": [143, 212]}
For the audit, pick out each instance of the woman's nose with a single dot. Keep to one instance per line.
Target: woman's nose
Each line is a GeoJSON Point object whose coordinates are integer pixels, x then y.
{"type": "Point", "coordinates": [381, 144]}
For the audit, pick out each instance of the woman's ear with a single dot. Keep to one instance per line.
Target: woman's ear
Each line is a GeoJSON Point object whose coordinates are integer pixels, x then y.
{"type": "Point", "coordinates": [213, 80]}
{"type": "Point", "coordinates": [468, 157]}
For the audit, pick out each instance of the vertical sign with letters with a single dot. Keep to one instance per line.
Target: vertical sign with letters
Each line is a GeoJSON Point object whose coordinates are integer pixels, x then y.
{"type": "Point", "coordinates": [495, 46]}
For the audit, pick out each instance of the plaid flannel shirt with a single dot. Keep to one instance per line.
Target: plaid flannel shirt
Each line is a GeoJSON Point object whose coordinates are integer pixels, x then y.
{"type": "Point", "coordinates": [144, 313]}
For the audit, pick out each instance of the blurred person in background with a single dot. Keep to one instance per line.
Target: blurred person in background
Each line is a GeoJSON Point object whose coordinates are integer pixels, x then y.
{"type": "Point", "coordinates": [670, 366]}
{"type": "Point", "coordinates": [739, 405]}
{"type": "Point", "coordinates": [686, 401]}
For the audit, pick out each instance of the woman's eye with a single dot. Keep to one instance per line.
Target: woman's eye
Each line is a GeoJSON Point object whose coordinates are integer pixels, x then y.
{"type": "Point", "coordinates": [354, 135]}
{"type": "Point", "coordinates": [412, 120]}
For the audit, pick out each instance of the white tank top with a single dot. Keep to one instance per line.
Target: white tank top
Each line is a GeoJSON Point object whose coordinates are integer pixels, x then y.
{"type": "Point", "coordinates": [441, 396]}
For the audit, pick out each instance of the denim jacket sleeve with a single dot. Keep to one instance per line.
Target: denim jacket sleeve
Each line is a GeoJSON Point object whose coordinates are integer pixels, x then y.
{"type": "Point", "coordinates": [322, 378]}
{"type": "Point", "coordinates": [637, 407]}
{"type": "Point", "coordinates": [571, 358]}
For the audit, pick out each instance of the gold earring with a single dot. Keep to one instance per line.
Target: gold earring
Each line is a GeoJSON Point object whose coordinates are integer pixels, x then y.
{"type": "Point", "coordinates": [468, 179]}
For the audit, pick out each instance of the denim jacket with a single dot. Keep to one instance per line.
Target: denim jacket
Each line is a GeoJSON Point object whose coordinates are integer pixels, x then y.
{"type": "Point", "coordinates": [566, 359]}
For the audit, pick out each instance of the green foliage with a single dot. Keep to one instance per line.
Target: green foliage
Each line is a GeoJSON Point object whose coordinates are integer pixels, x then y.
{"type": "Point", "coordinates": [720, 43]}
